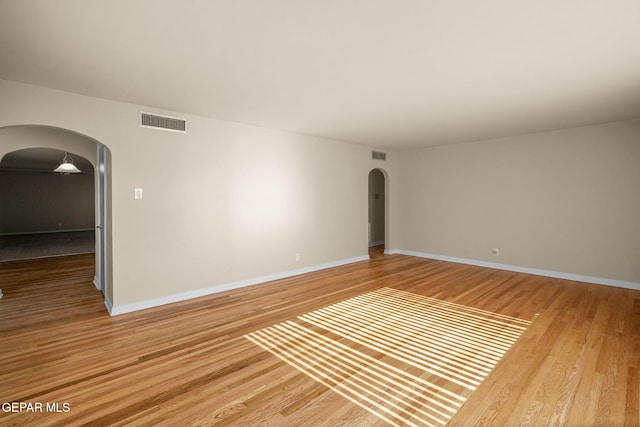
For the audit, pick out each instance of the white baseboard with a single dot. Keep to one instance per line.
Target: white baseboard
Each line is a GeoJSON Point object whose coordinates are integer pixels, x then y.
{"type": "Point", "coordinates": [95, 283]}
{"type": "Point", "coordinates": [20, 233]}
{"type": "Point", "coordinates": [127, 308]}
{"type": "Point", "coordinates": [518, 269]}
{"type": "Point", "coordinates": [155, 302]}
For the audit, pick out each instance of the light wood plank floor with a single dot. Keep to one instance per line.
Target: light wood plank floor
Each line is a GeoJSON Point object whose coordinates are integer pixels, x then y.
{"type": "Point", "coordinates": [393, 340]}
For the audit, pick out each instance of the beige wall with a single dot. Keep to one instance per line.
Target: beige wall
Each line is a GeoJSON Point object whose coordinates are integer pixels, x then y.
{"type": "Point", "coordinates": [229, 202]}
{"type": "Point", "coordinates": [566, 201]}
{"type": "Point", "coordinates": [225, 202]}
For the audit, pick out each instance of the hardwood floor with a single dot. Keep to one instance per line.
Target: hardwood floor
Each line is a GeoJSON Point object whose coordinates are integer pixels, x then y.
{"type": "Point", "coordinates": [376, 251]}
{"type": "Point", "coordinates": [393, 340]}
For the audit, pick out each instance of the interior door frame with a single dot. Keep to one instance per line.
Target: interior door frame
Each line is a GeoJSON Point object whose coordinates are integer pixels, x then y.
{"type": "Point", "coordinates": [100, 280]}
{"type": "Point", "coordinates": [385, 219]}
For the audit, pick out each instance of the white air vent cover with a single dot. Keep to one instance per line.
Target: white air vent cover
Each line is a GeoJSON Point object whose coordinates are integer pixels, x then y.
{"type": "Point", "coordinates": [155, 121]}
{"type": "Point", "coordinates": [378, 155]}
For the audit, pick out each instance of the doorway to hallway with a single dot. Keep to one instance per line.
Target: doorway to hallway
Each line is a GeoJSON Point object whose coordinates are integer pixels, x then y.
{"type": "Point", "coordinates": [377, 213]}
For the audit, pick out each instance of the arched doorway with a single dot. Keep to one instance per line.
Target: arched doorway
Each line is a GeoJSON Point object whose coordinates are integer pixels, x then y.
{"type": "Point", "coordinates": [377, 212]}
{"type": "Point", "coordinates": [44, 213]}
{"type": "Point", "coordinates": [24, 137]}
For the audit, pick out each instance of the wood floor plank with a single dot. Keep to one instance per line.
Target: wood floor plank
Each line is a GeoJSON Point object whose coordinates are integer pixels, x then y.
{"type": "Point", "coordinates": [576, 361]}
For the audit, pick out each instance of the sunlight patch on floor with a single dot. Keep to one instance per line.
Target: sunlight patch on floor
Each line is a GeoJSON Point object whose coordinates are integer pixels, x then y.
{"type": "Point", "coordinates": [406, 358]}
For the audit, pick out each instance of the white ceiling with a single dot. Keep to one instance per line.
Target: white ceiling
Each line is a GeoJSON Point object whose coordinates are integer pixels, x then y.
{"type": "Point", "coordinates": [41, 160]}
{"type": "Point", "coordinates": [394, 74]}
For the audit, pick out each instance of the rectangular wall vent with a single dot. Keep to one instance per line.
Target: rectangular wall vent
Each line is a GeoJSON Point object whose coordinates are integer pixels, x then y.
{"type": "Point", "coordinates": [378, 155]}
{"type": "Point", "coordinates": [155, 121]}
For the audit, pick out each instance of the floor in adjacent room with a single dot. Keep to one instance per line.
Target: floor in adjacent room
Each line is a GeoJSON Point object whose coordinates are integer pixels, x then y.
{"type": "Point", "coordinates": [41, 245]}
{"type": "Point", "coordinates": [395, 340]}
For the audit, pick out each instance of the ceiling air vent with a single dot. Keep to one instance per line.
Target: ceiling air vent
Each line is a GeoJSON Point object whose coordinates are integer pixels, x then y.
{"type": "Point", "coordinates": [155, 121]}
{"type": "Point", "coordinates": [378, 155]}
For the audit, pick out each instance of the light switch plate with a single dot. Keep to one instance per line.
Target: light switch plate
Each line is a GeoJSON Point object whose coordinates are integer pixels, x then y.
{"type": "Point", "coordinates": [137, 193]}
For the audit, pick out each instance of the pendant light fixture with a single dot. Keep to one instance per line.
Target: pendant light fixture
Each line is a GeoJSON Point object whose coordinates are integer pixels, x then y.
{"type": "Point", "coordinates": [67, 166]}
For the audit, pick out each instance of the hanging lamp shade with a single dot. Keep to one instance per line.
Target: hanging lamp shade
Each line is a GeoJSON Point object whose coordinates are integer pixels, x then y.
{"type": "Point", "coordinates": [67, 166]}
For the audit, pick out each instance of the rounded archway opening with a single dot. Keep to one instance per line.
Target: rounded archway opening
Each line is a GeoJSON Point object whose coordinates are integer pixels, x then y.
{"type": "Point", "coordinates": [35, 200]}
{"type": "Point", "coordinates": [38, 202]}
{"type": "Point", "coordinates": [377, 212]}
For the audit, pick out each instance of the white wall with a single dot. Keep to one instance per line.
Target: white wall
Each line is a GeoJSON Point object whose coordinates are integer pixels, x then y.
{"type": "Point", "coordinates": [565, 201]}
{"type": "Point", "coordinates": [223, 203]}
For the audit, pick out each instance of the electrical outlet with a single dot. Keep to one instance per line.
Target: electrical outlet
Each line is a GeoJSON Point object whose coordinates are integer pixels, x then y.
{"type": "Point", "coordinates": [495, 252]}
{"type": "Point", "coordinates": [297, 257]}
